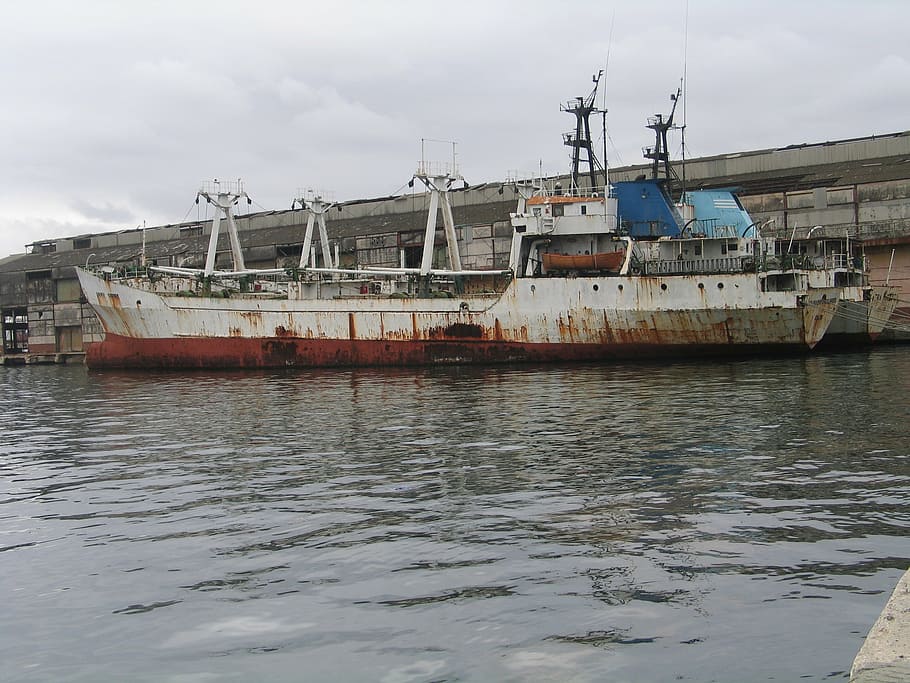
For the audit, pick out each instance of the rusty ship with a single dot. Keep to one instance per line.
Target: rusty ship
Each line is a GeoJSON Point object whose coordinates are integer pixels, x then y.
{"type": "Point", "coordinates": [596, 271]}
{"type": "Point", "coordinates": [619, 296]}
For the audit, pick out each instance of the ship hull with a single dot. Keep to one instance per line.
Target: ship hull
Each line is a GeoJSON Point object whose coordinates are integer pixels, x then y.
{"type": "Point", "coordinates": [233, 352]}
{"type": "Point", "coordinates": [858, 321]}
{"type": "Point", "coordinates": [533, 320]}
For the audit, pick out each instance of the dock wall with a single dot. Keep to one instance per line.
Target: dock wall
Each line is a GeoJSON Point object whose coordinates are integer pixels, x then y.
{"type": "Point", "coordinates": [885, 654]}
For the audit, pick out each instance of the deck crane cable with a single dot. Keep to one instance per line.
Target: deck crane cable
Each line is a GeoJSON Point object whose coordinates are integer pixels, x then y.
{"type": "Point", "coordinates": [188, 213]}
{"type": "Point", "coordinates": [603, 107]}
{"type": "Point", "coordinates": [860, 314]}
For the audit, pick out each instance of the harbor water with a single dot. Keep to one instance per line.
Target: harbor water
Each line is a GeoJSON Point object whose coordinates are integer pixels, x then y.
{"type": "Point", "coordinates": [711, 521]}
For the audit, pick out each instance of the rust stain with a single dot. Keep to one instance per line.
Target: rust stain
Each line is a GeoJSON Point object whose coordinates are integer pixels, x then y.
{"type": "Point", "coordinates": [463, 330]}
{"type": "Point", "coordinates": [282, 332]}
{"type": "Point", "coordinates": [352, 330]}
{"type": "Point", "coordinates": [565, 328]}
{"type": "Point", "coordinates": [497, 330]}
{"type": "Point", "coordinates": [457, 331]}
{"type": "Point", "coordinates": [253, 318]}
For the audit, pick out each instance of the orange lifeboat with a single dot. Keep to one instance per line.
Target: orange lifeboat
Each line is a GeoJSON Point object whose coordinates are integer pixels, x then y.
{"type": "Point", "coordinates": [608, 260]}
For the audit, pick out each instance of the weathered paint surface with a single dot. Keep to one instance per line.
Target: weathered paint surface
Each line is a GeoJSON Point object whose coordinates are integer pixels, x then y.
{"type": "Point", "coordinates": [117, 351]}
{"type": "Point", "coordinates": [535, 319]}
{"type": "Point", "coordinates": [859, 322]}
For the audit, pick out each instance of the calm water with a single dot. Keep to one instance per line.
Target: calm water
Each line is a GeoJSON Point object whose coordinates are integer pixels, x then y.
{"type": "Point", "coordinates": [724, 521]}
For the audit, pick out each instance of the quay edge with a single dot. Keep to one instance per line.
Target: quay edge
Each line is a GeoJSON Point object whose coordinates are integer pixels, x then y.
{"type": "Point", "coordinates": [885, 654]}
{"type": "Point", "coordinates": [66, 358]}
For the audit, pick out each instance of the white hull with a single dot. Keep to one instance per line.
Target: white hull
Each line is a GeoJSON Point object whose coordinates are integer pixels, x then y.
{"type": "Point", "coordinates": [533, 319]}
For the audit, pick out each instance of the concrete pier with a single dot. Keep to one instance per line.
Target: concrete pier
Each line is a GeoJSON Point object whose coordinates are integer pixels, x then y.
{"type": "Point", "coordinates": [885, 655]}
{"type": "Point", "coordinates": [73, 357]}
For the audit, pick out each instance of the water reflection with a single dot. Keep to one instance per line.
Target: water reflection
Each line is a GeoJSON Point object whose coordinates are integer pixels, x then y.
{"type": "Point", "coordinates": [622, 521]}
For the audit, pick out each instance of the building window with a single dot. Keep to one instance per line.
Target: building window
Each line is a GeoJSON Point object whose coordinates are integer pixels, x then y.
{"type": "Point", "coordinates": [44, 247]}
{"type": "Point", "coordinates": [82, 243]}
{"type": "Point", "coordinates": [15, 330]}
{"type": "Point", "coordinates": [285, 250]}
{"type": "Point", "coordinates": [190, 230]}
{"type": "Point", "coordinates": [39, 287]}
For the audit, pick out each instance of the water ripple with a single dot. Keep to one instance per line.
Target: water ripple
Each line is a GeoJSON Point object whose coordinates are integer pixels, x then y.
{"type": "Point", "coordinates": [584, 523]}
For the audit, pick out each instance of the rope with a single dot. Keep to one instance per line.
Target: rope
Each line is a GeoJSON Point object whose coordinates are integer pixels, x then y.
{"type": "Point", "coordinates": [858, 312]}
{"type": "Point", "coordinates": [188, 212]}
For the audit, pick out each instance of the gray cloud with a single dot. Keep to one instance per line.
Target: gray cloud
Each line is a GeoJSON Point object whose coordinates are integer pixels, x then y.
{"type": "Point", "coordinates": [106, 214]}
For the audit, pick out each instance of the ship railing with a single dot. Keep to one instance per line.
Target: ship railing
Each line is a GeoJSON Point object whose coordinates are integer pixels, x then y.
{"type": "Point", "coordinates": [216, 187]}
{"type": "Point", "coordinates": [437, 169]}
{"type": "Point", "coordinates": [378, 281]}
{"type": "Point", "coordinates": [692, 266]}
{"type": "Point", "coordinates": [805, 262]}
{"type": "Point", "coordinates": [577, 192]}
{"type": "Point", "coordinates": [115, 273]}
{"type": "Point", "coordinates": [380, 271]}
{"type": "Point", "coordinates": [836, 261]}
{"type": "Point", "coordinates": [891, 227]}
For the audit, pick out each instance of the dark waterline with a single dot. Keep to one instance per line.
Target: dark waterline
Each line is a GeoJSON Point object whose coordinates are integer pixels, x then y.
{"type": "Point", "coordinates": [714, 521]}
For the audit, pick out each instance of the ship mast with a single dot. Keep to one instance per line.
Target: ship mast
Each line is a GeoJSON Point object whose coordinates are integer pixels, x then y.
{"type": "Point", "coordinates": [438, 178]}
{"type": "Point", "coordinates": [313, 202]}
{"type": "Point", "coordinates": [580, 139]}
{"type": "Point", "coordinates": [223, 196]}
{"type": "Point", "coordinates": [660, 152]}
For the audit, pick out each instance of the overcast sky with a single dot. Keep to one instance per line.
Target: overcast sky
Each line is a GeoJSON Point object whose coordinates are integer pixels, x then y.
{"type": "Point", "coordinates": [115, 112]}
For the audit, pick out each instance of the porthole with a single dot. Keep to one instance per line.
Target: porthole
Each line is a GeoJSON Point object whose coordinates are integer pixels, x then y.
{"type": "Point", "coordinates": [663, 286]}
{"type": "Point", "coordinates": [701, 285]}
{"type": "Point", "coordinates": [620, 288]}
{"type": "Point", "coordinates": [596, 288]}
{"type": "Point", "coordinates": [533, 288]}
{"type": "Point", "coordinates": [720, 285]}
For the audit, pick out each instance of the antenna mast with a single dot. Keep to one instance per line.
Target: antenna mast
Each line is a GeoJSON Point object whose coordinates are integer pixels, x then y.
{"type": "Point", "coordinates": [660, 151]}
{"type": "Point", "coordinates": [580, 139]}
{"type": "Point", "coordinates": [682, 88]}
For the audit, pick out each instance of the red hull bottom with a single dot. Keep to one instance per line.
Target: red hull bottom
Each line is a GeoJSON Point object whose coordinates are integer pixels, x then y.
{"type": "Point", "coordinates": [236, 352]}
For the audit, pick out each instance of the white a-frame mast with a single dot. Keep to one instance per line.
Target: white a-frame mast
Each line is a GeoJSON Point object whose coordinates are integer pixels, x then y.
{"type": "Point", "coordinates": [317, 208]}
{"type": "Point", "coordinates": [438, 180]}
{"type": "Point", "coordinates": [223, 196]}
